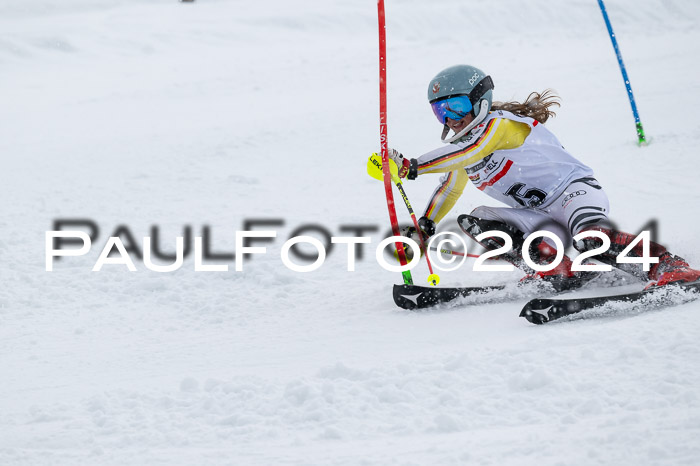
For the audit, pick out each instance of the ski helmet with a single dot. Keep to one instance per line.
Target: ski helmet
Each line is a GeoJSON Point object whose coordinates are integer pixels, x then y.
{"type": "Point", "coordinates": [463, 80]}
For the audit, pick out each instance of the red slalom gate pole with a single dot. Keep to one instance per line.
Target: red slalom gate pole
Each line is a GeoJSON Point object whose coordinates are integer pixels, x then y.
{"type": "Point", "coordinates": [383, 140]}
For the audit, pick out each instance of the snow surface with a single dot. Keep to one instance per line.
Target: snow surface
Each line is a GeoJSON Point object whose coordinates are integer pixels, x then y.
{"type": "Point", "coordinates": [144, 113]}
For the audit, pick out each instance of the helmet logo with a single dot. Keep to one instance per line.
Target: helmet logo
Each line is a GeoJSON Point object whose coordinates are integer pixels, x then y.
{"type": "Point", "coordinates": [473, 79]}
{"type": "Point", "coordinates": [436, 87]}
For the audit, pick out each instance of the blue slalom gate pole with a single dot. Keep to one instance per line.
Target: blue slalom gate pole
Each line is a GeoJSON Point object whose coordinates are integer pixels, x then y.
{"type": "Point", "coordinates": [637, 121]}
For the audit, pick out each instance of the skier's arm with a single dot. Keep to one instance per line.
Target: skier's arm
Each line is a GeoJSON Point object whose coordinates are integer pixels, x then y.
{"type": "Point", "coordinates": [446, 194]}
{"type": "Point", "coordinates": [497, 134]}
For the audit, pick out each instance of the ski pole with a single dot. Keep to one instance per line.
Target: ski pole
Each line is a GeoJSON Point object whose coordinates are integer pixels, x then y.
{"type": "Point", "coordinates": [376, 169]}
{"type": "Point", "coordinates": [453, 253]}
{"type": "Point", "coordinates": [433, 277]}
{"type": "Point", "coordinates": [457, 253]}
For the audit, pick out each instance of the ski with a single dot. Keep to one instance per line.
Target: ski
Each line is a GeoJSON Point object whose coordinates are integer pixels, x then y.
{"type": "Point", "coordinates": [419, 297]}
{"type": "Point", "coordinates": [540, 311]}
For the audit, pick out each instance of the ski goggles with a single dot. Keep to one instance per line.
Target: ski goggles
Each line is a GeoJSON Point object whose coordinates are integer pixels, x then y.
{"type": "Point", "coordinates": [455, 108]}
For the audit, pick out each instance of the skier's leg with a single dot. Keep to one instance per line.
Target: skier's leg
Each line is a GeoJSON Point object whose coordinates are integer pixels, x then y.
{"type": "Point", "coordinates": [483, 219]}
{"type": "Point", "coordinates": [525, 221]}
{"type": "Point", "coordinates": [518, 223]}
{"type": "Point", "coordinates": [584, 206]}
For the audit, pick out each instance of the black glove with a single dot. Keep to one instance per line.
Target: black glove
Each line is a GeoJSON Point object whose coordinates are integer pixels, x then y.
{"type": "Point", "coordinates": [427, 227]}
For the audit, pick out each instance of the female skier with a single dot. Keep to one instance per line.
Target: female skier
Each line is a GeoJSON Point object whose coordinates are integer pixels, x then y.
{"type": "Point", "coordinates": [507, 153]}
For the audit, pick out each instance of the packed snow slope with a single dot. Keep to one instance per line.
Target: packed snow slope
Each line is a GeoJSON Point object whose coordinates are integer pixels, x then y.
{"type": "Point", "coordinates": [214, 113]}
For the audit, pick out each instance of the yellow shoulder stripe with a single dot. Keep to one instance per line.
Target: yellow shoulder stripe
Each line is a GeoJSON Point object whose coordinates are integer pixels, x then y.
{"type": "Point", "coordinates": [500, 134]}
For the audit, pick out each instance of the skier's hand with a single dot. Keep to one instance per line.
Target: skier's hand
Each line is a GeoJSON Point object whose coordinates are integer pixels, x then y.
{"type": "Point", "coordinates": [401, 162]}
{"type": "Point", "coordinates": [427, 230]}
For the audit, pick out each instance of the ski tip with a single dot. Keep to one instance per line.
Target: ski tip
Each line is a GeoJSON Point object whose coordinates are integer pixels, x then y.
{"type": "Point", "coordinates": [405, 298]}
{"type": "Point", "coordinates": [533, 317]}
{"type": "Point", "coordinates": [537, 311]}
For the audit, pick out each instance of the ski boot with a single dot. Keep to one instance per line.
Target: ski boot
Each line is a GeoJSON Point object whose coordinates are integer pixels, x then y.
{"type": "Point", "coordinates": [669, 269]}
